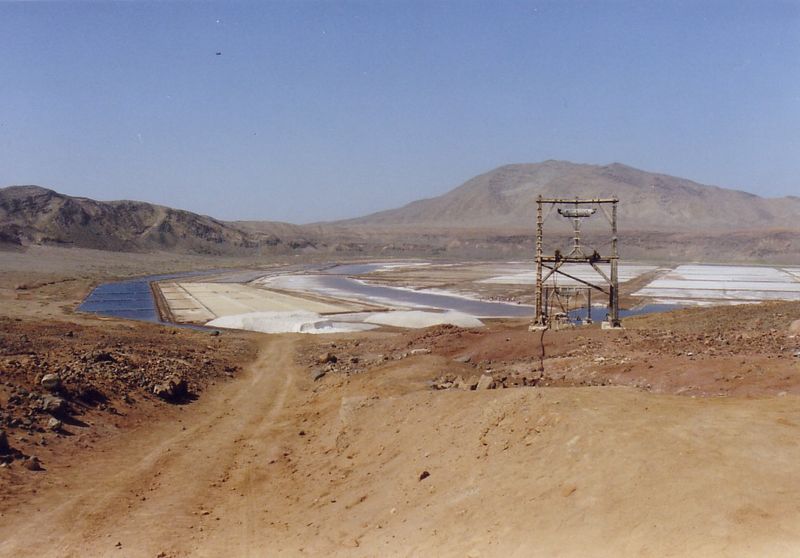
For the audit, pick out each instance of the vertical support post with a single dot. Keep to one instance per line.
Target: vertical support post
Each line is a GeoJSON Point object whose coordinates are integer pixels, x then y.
{"type": "Point", "coordinates": [613, 300]}
{"type": "Point", "coordinates": [589, 305]}
{"type": "Point", "coordinates": [576, 236]}
{"type": "Point", "coordinates": [539, 320]}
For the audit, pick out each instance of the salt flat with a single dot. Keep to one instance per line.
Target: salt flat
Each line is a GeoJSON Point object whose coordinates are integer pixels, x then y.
{"type": "Point", "coordinates": [626, 273]}
{"type": "Point", "coordinates": [793, 270]}
{"type": "Point", "coordinates": [292, 322]}
{"type": "Point", "coordinates": [688, 284]}
{"type": "Point", "coordinates": [316, 285]}
{"type": "Point", "coordinates": [201, 302]}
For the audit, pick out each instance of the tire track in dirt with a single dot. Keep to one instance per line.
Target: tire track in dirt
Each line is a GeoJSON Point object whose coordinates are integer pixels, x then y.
{"type": "Point", "coordinates": [171, 498]}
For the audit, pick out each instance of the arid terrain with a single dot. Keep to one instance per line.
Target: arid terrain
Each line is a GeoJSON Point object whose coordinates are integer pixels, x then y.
{"type": "Point", "coordinates": [353, 279]}
{"type": "Point", "coordinates": [673, 437]}
{"type": "Point", "coordinates": [490, 216]}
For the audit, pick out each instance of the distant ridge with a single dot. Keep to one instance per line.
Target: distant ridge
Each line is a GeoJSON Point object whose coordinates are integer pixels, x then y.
{"type": "Point", "coordinates": [36, 215]}
{"type": "Point", "coordinates": [490, 216]}
{"type": "Point", "coordinates": [506, 198]}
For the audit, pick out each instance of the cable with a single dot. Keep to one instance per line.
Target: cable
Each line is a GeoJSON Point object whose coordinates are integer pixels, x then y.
{"type": "Point", "coordinates": [541, 353]}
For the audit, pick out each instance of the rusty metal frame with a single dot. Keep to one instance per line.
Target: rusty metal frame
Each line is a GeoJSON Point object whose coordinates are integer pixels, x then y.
{"type": "Point", "coordinates": [577, 255]}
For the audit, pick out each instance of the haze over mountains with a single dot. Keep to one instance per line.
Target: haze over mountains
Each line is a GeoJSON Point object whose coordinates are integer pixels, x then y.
{"type": "Point", "coordinates": [491, 214]}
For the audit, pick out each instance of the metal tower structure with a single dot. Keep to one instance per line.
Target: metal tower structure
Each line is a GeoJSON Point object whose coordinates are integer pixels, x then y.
{"type": "Point", "coordinates": [576, 210]}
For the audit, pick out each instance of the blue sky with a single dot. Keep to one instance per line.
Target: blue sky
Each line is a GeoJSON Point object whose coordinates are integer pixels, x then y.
{"type": "Point", "coordinates": [325, 110]}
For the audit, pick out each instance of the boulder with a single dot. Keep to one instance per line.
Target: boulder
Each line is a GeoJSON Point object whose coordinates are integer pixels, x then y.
{"type": "Point", "coordinates": [51, 382]}
{"type": "Point", "coordinates": [54, 424]}
{"type": "Point", "coordinates": [53, 405]}
{"type": "Point", "coordinates": [318, 374]}
{"type": "Point", "coordinates": [485, 382]}
{"type": "Point", "coordinates": [326, 358]}
{"type": "Point", "coordinates": [172, 389]}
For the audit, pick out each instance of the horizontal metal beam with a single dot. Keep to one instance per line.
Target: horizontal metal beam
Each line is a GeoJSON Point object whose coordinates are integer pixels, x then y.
{"type": "Point", "coordinates": [570, 259]}
{"type": "Point", "coordinates": [577, 201]}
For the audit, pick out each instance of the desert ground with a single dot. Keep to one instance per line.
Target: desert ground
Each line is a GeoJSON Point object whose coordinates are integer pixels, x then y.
{"type": "Point", "coordinates": [676, 436]}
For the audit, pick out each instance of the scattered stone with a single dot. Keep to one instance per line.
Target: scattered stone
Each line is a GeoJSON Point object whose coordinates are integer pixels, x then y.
{"type": "Point", "coordinates": [53, 405]}
{"type": "Point", "coordinates": [414, 352]}
{"type": "Point", "coordinates": [4, 447]}
{"type": "Point", "coordinates": [318, 374]}
{"type": "Point", "coordinates": [463, 359]}
{"type": "Point", "coordinates": [54, 424]}
{"type": "Point", "coordinates": [103, 357]}
{"type": "Point", "coordinates": [326, 358]}
{"type": "Point", "coordinates": [485, 382]}
{"type": "Point", "coordinates": [173, 389]}
{"type": "Point", "coordinates": [33, 464]}
{"type": "Point", "coordinates": [424, 475]}
{"type": "Point", "coordinates": [214, 333]}
{"type": "Point", "coordinates": [51, 382]}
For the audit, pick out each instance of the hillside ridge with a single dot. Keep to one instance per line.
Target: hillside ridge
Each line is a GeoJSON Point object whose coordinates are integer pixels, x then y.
{"type": "Point", "coordinates": [506, 197]}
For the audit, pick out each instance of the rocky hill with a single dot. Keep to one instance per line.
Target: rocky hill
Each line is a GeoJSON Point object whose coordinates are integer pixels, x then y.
{"type": "Point", "coordinates": [489, 216]}
{"type": "Point", "coordinates": [506, 198]}
{"type": "Point", "coordinates": [35, 215]}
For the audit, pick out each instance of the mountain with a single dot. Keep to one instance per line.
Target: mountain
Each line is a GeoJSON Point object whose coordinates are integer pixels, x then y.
{"type": "Point", "coordinates": [35, 215]}
{"type": "Point", "coordinates": [489, 216]}
{"type": "Point", "coordinates": [506, 198]}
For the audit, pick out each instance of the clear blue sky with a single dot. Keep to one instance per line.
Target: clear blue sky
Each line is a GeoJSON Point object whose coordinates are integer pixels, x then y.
{"type": "Point", "coordinates": [327, 110]}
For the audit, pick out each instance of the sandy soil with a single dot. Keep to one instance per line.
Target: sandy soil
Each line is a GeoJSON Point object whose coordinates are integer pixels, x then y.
{"type": "Point", "coordinates": [379, 464]}
{"type": "Point", "coordinates": [674, 437]}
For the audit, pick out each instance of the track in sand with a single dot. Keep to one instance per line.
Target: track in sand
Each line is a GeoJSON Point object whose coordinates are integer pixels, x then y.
{"type": "Point", "coordinates": [173, 488]}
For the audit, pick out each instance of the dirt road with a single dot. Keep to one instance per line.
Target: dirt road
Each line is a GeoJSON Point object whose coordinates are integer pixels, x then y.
{"type": "Point", "coordinates": [376, 463]}
{"type": "Point", "coordinates": [178, 487]}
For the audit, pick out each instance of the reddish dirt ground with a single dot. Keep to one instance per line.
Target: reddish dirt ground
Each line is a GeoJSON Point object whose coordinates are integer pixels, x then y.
{"type": "Point", "coordinates": [674, 437]}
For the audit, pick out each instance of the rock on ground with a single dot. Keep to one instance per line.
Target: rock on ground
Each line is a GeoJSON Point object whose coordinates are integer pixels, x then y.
{"type": "Point", "coordinates": [173, 389]}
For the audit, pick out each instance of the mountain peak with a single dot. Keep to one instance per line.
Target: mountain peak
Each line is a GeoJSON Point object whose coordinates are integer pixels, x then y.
{"type": "Point", "coordinates": [506, 198]}
{"type": "Point", "coordinates": [25, 190]}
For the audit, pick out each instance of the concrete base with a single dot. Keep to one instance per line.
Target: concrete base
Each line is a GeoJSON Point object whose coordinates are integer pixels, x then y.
{"type": "Point", "coordinates": [534, 327]}
{"type": "Point", "coordinates": [607, 325]}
